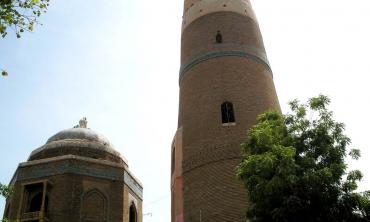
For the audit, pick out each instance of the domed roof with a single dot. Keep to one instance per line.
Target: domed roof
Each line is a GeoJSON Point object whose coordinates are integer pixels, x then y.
{"type": "Point", "coordinates": [79, 134]}
{"type": "Point", "coordinates": [80, 141]}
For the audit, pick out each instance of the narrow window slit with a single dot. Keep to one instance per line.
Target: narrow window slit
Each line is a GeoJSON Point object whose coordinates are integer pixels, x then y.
{"type": "Point", "coordinates": [227, 113]}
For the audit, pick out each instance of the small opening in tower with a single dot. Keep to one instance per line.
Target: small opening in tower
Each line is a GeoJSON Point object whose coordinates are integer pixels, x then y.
{"type": "Point", "coordinates": [173, 160]}
{"type": "Point", "coordinates": [218, 37]}
{"type": "Point", "coordinates": [227, 112]}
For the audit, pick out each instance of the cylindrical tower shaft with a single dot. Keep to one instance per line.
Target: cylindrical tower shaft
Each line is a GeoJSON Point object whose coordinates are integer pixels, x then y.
{"type": "Point", "coordinates": [225, 82]}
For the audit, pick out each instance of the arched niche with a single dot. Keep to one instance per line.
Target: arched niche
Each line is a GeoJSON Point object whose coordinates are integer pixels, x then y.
{"type": "Point", "coordinates": [94, 206]}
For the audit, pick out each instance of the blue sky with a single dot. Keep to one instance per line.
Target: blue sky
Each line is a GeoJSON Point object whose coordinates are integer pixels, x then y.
{"type": "Point", "coordinates": [103, 60]}
{"type": "Point", "coordinates": [116, 62]}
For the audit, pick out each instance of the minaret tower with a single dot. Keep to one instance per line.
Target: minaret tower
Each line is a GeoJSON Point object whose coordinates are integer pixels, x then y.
{"type": "Point", "coordinates": [225, 82]}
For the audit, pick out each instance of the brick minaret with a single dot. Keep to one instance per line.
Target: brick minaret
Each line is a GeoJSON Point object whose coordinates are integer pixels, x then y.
{"type": "Point", "coordinates": [225, 82]}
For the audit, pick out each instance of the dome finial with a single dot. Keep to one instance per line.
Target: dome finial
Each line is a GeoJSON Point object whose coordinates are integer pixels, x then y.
{"type": "Point", "coordinates": [83, 123]}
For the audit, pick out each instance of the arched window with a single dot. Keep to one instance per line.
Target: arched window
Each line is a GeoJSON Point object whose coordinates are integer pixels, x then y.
{"type": "Point", "coordinates": [35, 203]}
{"type": "Point", "coordinates": [218, 37]}
{"type": "Point", "coordinates": [133, 213]}
{"type": "Point", "coordinates": [227, 112]}
{"type": "Point", "coordinates": [35, 198]}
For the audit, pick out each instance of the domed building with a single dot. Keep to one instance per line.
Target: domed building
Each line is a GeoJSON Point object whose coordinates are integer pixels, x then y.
{"type": "Point", "coordinates": [76, 176]}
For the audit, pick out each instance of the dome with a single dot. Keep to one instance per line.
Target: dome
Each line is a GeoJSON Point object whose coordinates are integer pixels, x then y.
{"type": "Point", "coordinates": [79, 141]}
{"type": "Point", "coordinates": [79, 134]}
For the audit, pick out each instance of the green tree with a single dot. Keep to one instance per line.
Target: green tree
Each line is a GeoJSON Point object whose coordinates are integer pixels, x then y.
{"type": "Point", "coordinates": [5, 191]}
{"type": "Point", "coordinates": [4, 73]}
{"type": "Point", "coordinates": [20, 16]}
{"type": "Point", "coordinates": [294, 167]}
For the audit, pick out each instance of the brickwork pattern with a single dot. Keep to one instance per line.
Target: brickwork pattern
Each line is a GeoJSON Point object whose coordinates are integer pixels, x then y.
{"type": "Point", "coordinates": [67, 191]}
{"type": "Point", "coordinates": [213, 193]}
{"type": "Point", "coordinates": [188, 4]}
{"type": "Point", "coordinates": [204, 7]}
{"type": "Point", "coordinates": [207, 143]}
{"type": "Point", "coordinates": [211, 150]}
{"type": "Point", "coordinates": [238, 33]}
{"type": "Point", "coordinates": [177, 199]}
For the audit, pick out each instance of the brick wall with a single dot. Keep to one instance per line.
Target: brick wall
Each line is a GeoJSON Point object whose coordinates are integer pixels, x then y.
{"type": "Point", "coordinates": [238, 73]}
{"type": "Point", "coordinates": [238, 33]}
{"type": "Point", "coordinates": [75, 197]}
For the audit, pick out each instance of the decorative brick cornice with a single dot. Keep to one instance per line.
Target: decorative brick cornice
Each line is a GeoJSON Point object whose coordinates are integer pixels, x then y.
{"type": "Point", "coordinates": [83, 166]}
{"type": "Point", "coordinates": [133, 184]}
{"type": "Point", "coordinates": [212, 55]}
{"type": "Point", "coordinates": [205, 7]}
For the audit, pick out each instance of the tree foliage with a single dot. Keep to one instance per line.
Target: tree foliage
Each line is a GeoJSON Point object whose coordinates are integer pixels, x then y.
{"type": "Point", "coordinates": [20, 15]}
{"type": "Point", "coordinates": [4, 73]}
{"type": "Point", "coordinates": [5, 191]}
{"type": "Point", "coordinates": [294, 167]}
